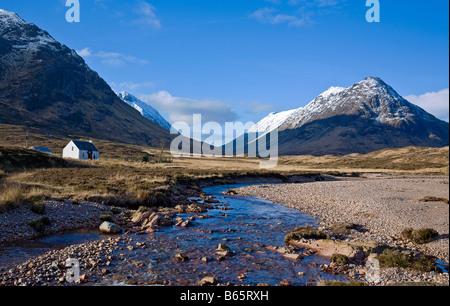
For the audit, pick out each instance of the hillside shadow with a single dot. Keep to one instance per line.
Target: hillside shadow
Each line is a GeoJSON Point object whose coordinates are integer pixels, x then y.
{"type": "Point", "coordinates": [15, 160]}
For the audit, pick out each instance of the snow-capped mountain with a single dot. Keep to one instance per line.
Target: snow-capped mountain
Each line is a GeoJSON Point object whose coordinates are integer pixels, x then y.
{"type": "Point", "coordinates": [47, 85]}
{"type": "Point", "coordinates": [371, 98]}
{"type": "Point", "coordinates": [146, 110]}
{"type": "Point", "coordinates": [25, 39]}
{"type": "Point", "coordinates": [364, 117]}
{"type": "Point", "coordinates": [271, 122]}
{"type": "Point", "coordinates": [10, 17]}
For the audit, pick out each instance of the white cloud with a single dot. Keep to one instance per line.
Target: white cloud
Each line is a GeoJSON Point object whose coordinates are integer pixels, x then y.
{"type": "Point", "coordinates": [256, 107]}
{"type": "Point", "coordinates": [147, 15]}
{"type": "Point", "coordinates": [274, 1]}
{"type": "Point", "coordinates": [132, 86]}
{"type": "Point", "coordinates": [182, 109]}
{"type": "Point", "coordinates": [114, 59]}
{"type": "Point", "coordinates": [318, 3]}
{"type": "Point", "coordinates": [100, 3]}
{"type": "Point", "coordinates": [119, 59]}
{"type": "Point", "coordinates": [86, 52]}
{"type": "Point", "coordinates": [300, 11]}
{"type": "Point", "coordinates": [132, 13]}
{"type": "Point", "coordinates": [436, 103]}
{"type": "Point", "coordinates": [271, 16]}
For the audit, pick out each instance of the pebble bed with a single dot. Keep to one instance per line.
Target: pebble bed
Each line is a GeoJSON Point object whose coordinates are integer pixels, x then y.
{"type": "Point", "coordinates": [64, 216]}
{"type": "Point", "coordinates": [383, 207]}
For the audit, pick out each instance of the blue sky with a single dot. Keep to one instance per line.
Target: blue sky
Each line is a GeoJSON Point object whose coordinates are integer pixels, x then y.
{"type": "Point", "coordinates": [242, 59]}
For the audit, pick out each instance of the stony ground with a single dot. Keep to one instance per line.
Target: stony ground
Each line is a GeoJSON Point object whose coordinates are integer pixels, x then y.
{"type": "Point", "coordinates": [383, 206]}
{"type": "Point", "coordinates": [64, 216]}
{"type": "Point", "coordinates": [50, 269]}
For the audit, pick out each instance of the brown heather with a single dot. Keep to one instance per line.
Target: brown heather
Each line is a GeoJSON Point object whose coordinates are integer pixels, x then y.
{"type": "Point", "coordinates": [123, 178]}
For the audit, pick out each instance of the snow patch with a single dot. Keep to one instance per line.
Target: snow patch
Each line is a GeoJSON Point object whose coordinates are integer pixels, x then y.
{"type": "Point", "coordinates": [271, 122]}
{"type": "Point", "coordinates": [145, 110]}
{"type": "Point", "coordinates": [9, 18]}
{"type": "Point", "coordinates": [332, 91]}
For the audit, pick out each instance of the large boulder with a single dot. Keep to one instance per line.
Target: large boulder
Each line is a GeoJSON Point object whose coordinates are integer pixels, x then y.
{"type": "Point", "coordinates": [196, 209]}
{"type": "Point", "coordinates": [110, 228]}
{"type": "Point", "coordinates": [157, 220]}
{"type": "Point", "coordinates": [139, 217]}
{"type": "Point", "coordinates": [208, 280]}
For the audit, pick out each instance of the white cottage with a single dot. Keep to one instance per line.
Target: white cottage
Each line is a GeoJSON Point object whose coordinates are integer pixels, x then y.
{"type": "Point", "coordinates": [81, 150]}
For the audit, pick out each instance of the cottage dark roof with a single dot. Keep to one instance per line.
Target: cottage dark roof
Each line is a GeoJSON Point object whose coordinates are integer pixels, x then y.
{"type": "Point", "coordinates": [42, 149]}
{"type": "Point", "coordinates": [85, 146]}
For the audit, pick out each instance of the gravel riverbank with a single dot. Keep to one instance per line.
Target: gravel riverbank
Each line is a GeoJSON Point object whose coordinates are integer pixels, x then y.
{"type": "Point", "coordinates": [64, 216]}
{"type": "Point", "coordinates": [384, 206]}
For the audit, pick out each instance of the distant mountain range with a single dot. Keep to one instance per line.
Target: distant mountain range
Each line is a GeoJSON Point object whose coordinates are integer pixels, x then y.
{"type": "Point", "coordinates": [145, 110]}
{"type": "Point", "coordinates": [46, 85]}
{"type": "Point", "coordinates": [368, 116]}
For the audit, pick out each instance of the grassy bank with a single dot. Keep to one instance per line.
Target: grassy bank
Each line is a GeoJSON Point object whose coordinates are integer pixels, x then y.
{"type": "Point", "coordinates": [128, 175]}
{"type": "Point", "coordinates": [29, 174]}
{"type": "Point", "coordinates": [411, 160]}
{"type": "Point", "coordinates": [14, 159]}
{"type": "Point", "coordinates": [131, 185]}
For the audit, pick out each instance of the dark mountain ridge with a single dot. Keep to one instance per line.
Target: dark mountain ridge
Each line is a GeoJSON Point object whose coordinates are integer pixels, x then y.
{"type": "Point", "coordinates": [46, 85]}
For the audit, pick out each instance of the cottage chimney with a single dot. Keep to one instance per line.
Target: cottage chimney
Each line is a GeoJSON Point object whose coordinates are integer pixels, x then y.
{"type": "Point", "coordinates": [91, 141]}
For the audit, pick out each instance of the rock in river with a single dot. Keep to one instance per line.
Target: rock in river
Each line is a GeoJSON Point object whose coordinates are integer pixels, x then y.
{"type": "Point", "coordinates": [110, 228]}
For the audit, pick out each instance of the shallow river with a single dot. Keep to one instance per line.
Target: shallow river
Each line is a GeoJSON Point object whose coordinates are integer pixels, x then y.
{"type": "Point", "coordinates": [249, 226]}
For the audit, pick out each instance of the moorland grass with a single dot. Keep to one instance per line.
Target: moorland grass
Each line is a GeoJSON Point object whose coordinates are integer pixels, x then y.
{"type": "Point", "coordinates": [339, 259]}
{"type": "Point", "coordinates": [116, 182]}
{"type": "Point", "coordinates": [421, 236]}
{"type": "Point", "coordinates": [306, 233]}
{"type": "Point", "coordinates": [434, 199]}
{"type": "Point", "coordinates": [121, 178]}
{"type": "Point", "coordinates": [14, 195]}
{"type": "Point", "coordinates": [397, 259]}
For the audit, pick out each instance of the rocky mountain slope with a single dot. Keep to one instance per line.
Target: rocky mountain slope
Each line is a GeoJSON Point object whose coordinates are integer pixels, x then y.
{"type": "Point", "coordinates": [46, 85]}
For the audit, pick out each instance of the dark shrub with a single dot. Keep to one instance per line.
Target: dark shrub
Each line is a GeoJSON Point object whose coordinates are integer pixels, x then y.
{"type": "Point", "coordinates": [40, 224]}
{"type": "Point", "coordinates": [397, 259]}
{"type": "Point", "coordinates": [36, 204]}
{"type": "Point", "coordinates": [107, 218]}
{"type": "Point", "coordinates": [339, 259]}
{"type": "Point", "coordinates": [116, 210]}
{"type": "Point", "coordinates": [343, 228]}
{"type": "Point", "coordinates": [434, 199]}
{"type": "Point", "coordinates": [422, 236]}
{"type": "Point", "coordinates": [151, 198]}
{"type": "Point", "coordinates": [146, 158]}
{"type": "Point", "coordinates": [38, 208]}
{"type": "Point", "coordinates": [306, 233]}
